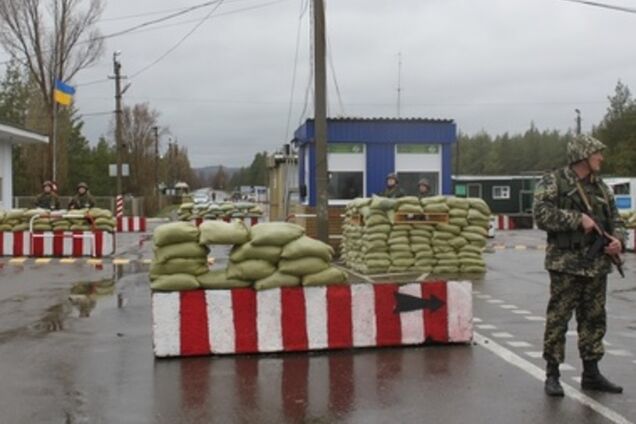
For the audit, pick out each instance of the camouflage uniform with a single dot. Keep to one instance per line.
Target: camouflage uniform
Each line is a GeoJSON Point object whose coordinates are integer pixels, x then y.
{"type": "Point", "coordinates": [82, 201]}
{"type": "Point", "coordinates": [393, 192]}
{"type": "Point", "coordinates": [576, 283]}
{"type": "Point", "coordinates": [47, 201]}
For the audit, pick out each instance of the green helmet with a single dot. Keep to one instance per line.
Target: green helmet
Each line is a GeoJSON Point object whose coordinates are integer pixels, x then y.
{"type": "Point", "coordinates": [582, 147]}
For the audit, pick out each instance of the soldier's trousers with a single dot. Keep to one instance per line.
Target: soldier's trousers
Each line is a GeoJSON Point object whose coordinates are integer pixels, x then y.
{"type": "Point", "coordinates": [585, 296]}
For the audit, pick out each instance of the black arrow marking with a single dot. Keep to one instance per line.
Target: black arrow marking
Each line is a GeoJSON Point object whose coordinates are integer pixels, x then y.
{"type": "Point", "coordinates": [407, 303]}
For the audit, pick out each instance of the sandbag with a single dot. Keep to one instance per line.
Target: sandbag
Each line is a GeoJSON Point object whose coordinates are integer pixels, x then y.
{"type": "Point", "coordinates": [382, 203]}
{"type": "Point", "coordinates": [398, 240]}
{"type": "Point", "coordinates": [421, 240]}
{"type": "Point", "coordinates": [448, 262]}
{"type": "Point", "coordinates": [405, 254]}
{"type": "Point", "coordinates": [447, 228]}
{"type": "Point", "coordinates": [275, 233]}
{"type": "Point", "coordinates": [277, 279]}
{"type": "Point", "coordinates": [474, 214]}
{"type": "Point", "coordinates": [402, 227]}
{"type": "Point", "coordinates": [458, 213]}
{"type": "Point", "coordinates": [473, 270]}
{"type": "Point", "coordinates": [458, 242]}
{"type": "Point", "coordinates": [472, 249]}
{"type": "Point", "coordinates": [404, 263]}
{"type": "Point", "coordinates": [477, 230]}
{"type": "Point", "coordinates": [439, 242]}
{"type": "Point", "coordinates": [445, 270]}
{"type": "Point", "coordinates": [329, 276]}
{"type": "Point", "coordinates": [378, 263]}
{"type": "Point", "coordinates": [175, 282]}
{"type": "Point", "coordinates": [374, 245]}
{"type": "Point", "coordinates": [381, 229]}
{"type": "Point", "coordinates": [424, 269]}
{"type": "Point", "coordinates": [449, 255]}
{"type": "Point", "coordinates": [468, 255]}
{"type": "Point", "coordinates": [174, 233]}
{"type": "Point", "coordinates": [376, 219]}
{"type": "Point", "coordinates": [396, 234]}
{"type": "Point", "coordinates": [458, 203]}
{"type": "Point", "coordinates": [436, 208]}
{"type": "Point", "coordinates": [444, 249]}
{"type": "Point", "coordinates": [439, 235]}
{"type": "Point", "coordinates": [480, 205]}
{"type": "Point", "coordinates": [100, 213]}
{"type": "Point", "coordinates": [191, 250]}
{"type": "Point", "coordinates": [381, 256]}
{"type": "Point", "coordinates": [360, 202]}
{"type": "Point", "coordinates": [472, 262]}
{"type": "Point", "coordinates": [307, 246]}
{"type": "Point", "coordinates": [304, 266]}
{"type": "Point", "coordinates": [410, 209]}
{"type": "Point", "coordinates": [459, 222]}
{"type": "Point", "coordinates": [6, 228]}
{"type": "Point", "coordinates": [248, 251]}
{"type": "Point", "coordinates": [424, 254]}
{"type": "Point", "coordinates": [220, 232]}
{"type": "Point", "coordinates": [432, 200]}
{"type": "Point", "coordinates": [421, 247]}
{"type": "Point", "coordinates": [375, 237]}
{"type": "Point", "coordinates": [479, 223]}
{"type": "Point", "coordinates": [400, 248]}
{"type": "Point", "coordinates": [178, 266]}
{"type": "Point", "coordinates": [250, 270]}
{"type": "Point", "coordinates": [425, 262]}
{"type": "Point", "coordinates": [472, 236]}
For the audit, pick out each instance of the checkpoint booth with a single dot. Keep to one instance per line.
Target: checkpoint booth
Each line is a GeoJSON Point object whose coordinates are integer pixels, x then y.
{"type": "Point", "coordinates": [363, 151]}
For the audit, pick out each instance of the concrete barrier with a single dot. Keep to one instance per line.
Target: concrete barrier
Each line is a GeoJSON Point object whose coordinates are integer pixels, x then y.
{"type": "Point", "coordinates": [57, 244]}
{"type": "Point", "coordinates": [131, 224]}
{"type": "Point", "coordinates": [203, 322]}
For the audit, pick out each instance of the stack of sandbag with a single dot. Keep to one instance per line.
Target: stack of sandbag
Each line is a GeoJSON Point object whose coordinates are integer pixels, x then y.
{"type": "Point", "coordinates": [629, 218]}
{"type": "Point", "coordinates": [103, 218]}
{"type": "Point", "coordinates": [387, 244]}
{"type": "Point", "coordinates": [185, 211]}
{"type": "Point", "coordinates": [179, 258]}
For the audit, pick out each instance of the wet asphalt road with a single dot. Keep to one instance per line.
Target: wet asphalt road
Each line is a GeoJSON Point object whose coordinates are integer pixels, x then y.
{"type": "Point", "coordinates": [69, 354]}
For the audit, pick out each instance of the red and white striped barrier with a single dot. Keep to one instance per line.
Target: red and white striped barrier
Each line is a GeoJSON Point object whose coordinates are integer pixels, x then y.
{"type": "Point", "coordinates": [504, 222]}
{"type": "Point", "coordinates": [58, 244]}
{"type": "Point", "coordinates": [131, 224]}
{"type": "Point", "coordinates": [250, 221]}
{"type": "Point", "coordinates": [630, 241]}
{"type": "Point", "coordinates": [119, 205]}
{"type": "Point", "coordinates": [203, 322]}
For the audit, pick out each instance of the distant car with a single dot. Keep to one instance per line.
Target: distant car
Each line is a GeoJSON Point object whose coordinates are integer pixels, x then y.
{"type": "Point", "coordinates": [199, 198]}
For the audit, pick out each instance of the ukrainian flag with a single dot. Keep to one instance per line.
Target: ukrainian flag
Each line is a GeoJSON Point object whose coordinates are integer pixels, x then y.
{"type": "Point", "coordinates": [63, 93]}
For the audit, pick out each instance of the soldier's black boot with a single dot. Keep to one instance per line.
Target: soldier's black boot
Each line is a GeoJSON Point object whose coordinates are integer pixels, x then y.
{"type": "Point", "coordinates": [552, 385]}
{"type": "Point", "coordinates": [592, 379]}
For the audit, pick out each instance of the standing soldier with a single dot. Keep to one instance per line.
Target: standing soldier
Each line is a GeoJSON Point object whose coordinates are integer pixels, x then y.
{"type": "Point", "coordinates": [566, 202]}
{"type": "Point", "coordinates": [424, 188]}
{"type": "Point", "coordinates": [392, 189]}
{"type": "Point", "coordinates": [47, 199]}
{"type": "Point", "coordinates": [82, 199]}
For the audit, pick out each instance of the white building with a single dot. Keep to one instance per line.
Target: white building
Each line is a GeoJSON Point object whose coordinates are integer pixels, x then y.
{"type": "Point", "coordinates": [8, 137]}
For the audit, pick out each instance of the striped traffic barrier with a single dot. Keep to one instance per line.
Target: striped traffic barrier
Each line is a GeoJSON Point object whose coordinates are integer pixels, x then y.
{"type": "Point", "coordinates": [203, 322]}
{"type": "Point", "coordinates": [630, 241]}
{"type": "Point", "coordinates": [119, 205]}
{"type": "Point", "coordinates": [57, 244]}
{"type": "Point", "coordinates": [505, 222]}
{"type": "Point", "coordinates": [131, 224]}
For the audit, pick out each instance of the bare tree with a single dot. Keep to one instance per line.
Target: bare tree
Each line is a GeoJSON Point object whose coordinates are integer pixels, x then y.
{"type": "Point", "coordinates": [54, 39]}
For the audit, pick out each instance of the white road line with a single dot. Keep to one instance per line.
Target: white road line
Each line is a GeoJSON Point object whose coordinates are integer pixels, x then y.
{"type": "Point", "coordinates": [572, 333]}
{"type": "Point", "coordinates": [521, 312]}
{"type": "Point", "coordinates": [507, 306]}
{"type": "Point", "coordinates": [533, 318]}
{"type": "Point", "coordinates": [577, 379]}
{"type": "Point", "coordinates": [567, 367]}
{"type": "Point", "coordinates": [475, 319]}
{"type": "Point", "coordinates": [519, 344]}
{"type": "Point", "coordinates": [486, 327]}
{"type": "Point", "coordinates": [606, 343]}
{"type": "Point", "coordinates": [495, 301]}
{"type": "Point", "coordinates": [483, 296]}
{"type": "Point", "coordinates": [619, 352]}
{"type": "Point", "coordinates": [502, 335]}
{"type": "Point", "coordinates": [535, 355]}
{"type": "Point", "coordinates": [539, 374]}
{"type": "Point", "coordinates": [476, 292]}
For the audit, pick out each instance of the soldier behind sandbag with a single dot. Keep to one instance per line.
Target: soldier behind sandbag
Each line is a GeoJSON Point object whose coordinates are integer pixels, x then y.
{"type": "Point", "coordinates": [48, 199]}
{"type": "Point", "coordinates": [564, 203]}
{"type": "Point", "coordinates": [392, 189]}
{"type": "Point", "coordinates": [82, 199]}
{"type": "Point", "coordinates": [423, 188]}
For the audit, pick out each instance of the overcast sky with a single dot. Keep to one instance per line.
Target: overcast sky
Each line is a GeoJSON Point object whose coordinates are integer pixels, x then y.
{"type": "Point", "coordinates": [493, 65]}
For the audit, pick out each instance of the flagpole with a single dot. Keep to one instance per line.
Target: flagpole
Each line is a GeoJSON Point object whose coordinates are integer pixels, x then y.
{"type": "Point", "coordinates": [54, 141]}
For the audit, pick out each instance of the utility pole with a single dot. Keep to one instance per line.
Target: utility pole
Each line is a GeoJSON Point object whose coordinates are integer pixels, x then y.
{"type": "Point", "coordinates": [399, 88]}
{"type": "Point", "coordinates": [118, 113]}
{"type": "Point", "coordinates": [578, 121]}
{"type": "Point", "coordinates": [320, 122]}
{"type": "Point", "coordinates": [155, 131]}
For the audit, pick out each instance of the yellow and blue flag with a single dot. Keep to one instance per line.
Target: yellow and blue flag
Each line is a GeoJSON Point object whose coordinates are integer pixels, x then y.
{"type": "Point", "coordinates": [63, 93]}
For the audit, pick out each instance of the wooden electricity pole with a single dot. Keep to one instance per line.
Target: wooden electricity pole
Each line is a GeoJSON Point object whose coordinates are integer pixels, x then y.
{"type": "Point", "coordinates": [320, 122]}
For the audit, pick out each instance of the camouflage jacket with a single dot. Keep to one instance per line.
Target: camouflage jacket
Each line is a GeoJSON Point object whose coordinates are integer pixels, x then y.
{"type": "Point", "coordinates": [393, 193]}
{"type": "Point", "coordinates": [82, 201]}
{"type": "Point", "coordinates": [558, 207]}
{"type": "Point", "coordinates": [47, 201]}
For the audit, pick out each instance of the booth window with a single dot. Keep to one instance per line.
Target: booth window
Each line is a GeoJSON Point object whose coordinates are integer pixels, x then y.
{"type": "Point", "coordinates": [409, 182]}
{"type": "Point", "coordinates": [501, 192]}
{"type": "Point", "coordinates": [346, 185]}
{"type": "Point", "coordinates": [474, 190]}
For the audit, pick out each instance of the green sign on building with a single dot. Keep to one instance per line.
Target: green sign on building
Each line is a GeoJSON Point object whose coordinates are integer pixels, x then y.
{"type": "Point", "coordinates": [346, 148]}
{"type": "Point", "coordinates": [460, 190]}
{"type": "Point", "coordinates": [418, 149]}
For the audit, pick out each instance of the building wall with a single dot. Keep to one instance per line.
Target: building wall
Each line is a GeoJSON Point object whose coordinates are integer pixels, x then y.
{"type": "Point", "coordinates": [521, 194]}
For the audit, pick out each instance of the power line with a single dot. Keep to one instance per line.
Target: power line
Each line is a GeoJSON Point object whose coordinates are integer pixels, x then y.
{"type": "Point", "coordinates": [303, 9]}
{"type": "Point", "coordinates": [335, 77]}
{"type": "Point", "coordinates": [183, 39]}
{"type": "Point", "coordinates": [604, 5]}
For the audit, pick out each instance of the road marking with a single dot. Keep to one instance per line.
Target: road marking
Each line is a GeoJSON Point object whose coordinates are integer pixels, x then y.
{"type": "Point", "coordinates": [495, 301]}
{"type": "Point", "coordinates": [121, 261]}
{"type": "Point", "coordinates": [572, 333]}
{"type": "Point", "coordinates": [535, 355]}
{"type": "Point", "coordinates": [577, 379]}
{"type": "Point", "coordinates": [519, 344]}
{"type": "Point", "coordinates": [539, 374]}
{"type": "Point", "coordinates": [476, 319]}
{"type": "Point", "coordinates": [567, 367]}
{"type": "Point", "coordinates": [94, 262]}
{"type": "Point", "coordinates": [521, 247]}
{"type": "Point", "coordinates": [508, 306]}
{"type": "Point", "coordinates": [619, 352]}
{"type": "Point", "coordinates": [486, 327]}
{"type": "Point", "coordinates": [502, 335]}
{"type": "Point", "coordinates": [606, 343]}
{"type": "Point", "coordinates": [42, 261]}
{"type": "Point", "coordinates": [484, 296]}
{"type": "Point", "coordinates": [476, 292]}
{"type": "Point", "coordinates": [67, 261]}
{"type": "Point", "coordinates": [521, 312]}
{"type": "Point", "coordinates": [17, 261]}
{"type": "Point", "coordinates": [533, 318]}
{"type": "Point", "coordinates": [146, 261]}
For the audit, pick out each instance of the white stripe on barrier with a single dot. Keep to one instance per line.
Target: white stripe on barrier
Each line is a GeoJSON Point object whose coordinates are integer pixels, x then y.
{"type": "Point", "coordinates": [363, 315]}
{"type": "Point", "coordinates": [26, 243]}
{"type": "Point", "coordinates": [166, 312]}
{"type": "Point", "coordinates": [67, 243]}
{"type": "Point", "coordinates": [7, 239]}
{"type": "Point", "coordinates": [460, 310]}
{"type": "Point", "coordinates": [48, 245]}
{"type": "Point", "coordinates": [220, 321]}
{"type": "Point", "coordinates": [412, 322]}
{"type": "Point", "coordinates": [268, 317]}
{"type": "Point", "coordinates": [316, 307]}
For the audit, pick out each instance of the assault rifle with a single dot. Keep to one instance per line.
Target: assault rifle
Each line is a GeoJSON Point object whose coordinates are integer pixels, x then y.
{"type": "Point", "coordinates": [601, 241]}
